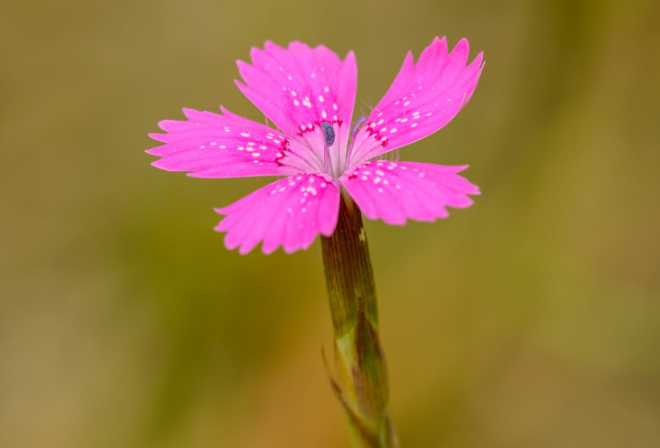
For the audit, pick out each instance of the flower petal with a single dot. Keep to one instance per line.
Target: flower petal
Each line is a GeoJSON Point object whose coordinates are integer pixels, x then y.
{"type": "Point", "coordinates": [396, 191]}
{"type": "Point", "coordinates": [213, 145]}
{"type": "Point", "coordinates": [288, 213]}
{"type": "Point", "coordinates": [300, 87]}
{"type": "Point", "coordinates": [422, 99]}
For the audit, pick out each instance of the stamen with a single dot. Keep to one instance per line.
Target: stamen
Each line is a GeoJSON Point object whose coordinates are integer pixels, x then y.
{"type": "Point", "coordinates": [326, 159]}
{"type": "Point", "coordinates": [328, 133]}
{"type": "Point", "coordinates": [329, 137]}
{"type": "Point", "coordinates": [354, 130]}
{"type": "Point", "coordinates": [356, 126]}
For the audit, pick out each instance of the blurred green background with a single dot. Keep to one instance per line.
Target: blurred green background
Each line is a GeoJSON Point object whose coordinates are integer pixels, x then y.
{"type": "Point", "coordinates": [529, 320]}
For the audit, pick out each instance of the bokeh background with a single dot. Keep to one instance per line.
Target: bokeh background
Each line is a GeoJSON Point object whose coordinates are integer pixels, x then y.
{"type": "Point", "coordinates": [529, 320]}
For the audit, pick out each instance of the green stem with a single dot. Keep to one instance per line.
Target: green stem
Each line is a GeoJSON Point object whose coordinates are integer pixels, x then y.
{"type": "Point", "coordinates": [362, 382]}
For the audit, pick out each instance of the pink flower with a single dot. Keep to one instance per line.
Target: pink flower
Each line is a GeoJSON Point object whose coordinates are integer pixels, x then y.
{"type": "Point", "coordinates": [309, 94]}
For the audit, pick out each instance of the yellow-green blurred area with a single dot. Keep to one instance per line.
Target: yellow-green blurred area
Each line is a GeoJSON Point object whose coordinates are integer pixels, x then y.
{"type": "Point", "coordinates": [531, 319]}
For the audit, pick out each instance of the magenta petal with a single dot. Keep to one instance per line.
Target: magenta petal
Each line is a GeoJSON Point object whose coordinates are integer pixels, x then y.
{"type": "Point", "coordinates": [396, 191]}
{"type": "Point", "coordinates": [300, 85]}
{"type": "Point", "coordinates": [422, 99]}
{"type": "Point", "coordinates": [288, 213]}
{"type": "Point", "coordinates": [213, 145]}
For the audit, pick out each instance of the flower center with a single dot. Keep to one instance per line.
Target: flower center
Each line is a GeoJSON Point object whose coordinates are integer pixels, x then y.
{"type": "Point", "coordinates": [329, 137]}
{"type": "Point", "coordinates": [322, 147]}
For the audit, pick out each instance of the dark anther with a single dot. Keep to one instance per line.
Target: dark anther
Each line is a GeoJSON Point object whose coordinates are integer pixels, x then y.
{"type": "Point", "coordinates": [356, 126]}
{"type": "Point", "coordinates": [328, 133]}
